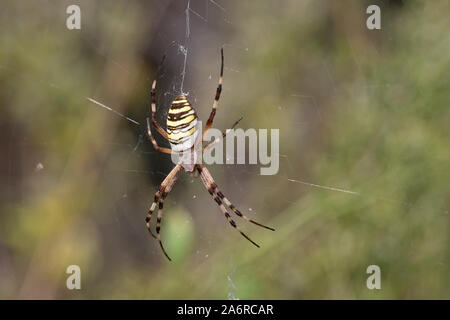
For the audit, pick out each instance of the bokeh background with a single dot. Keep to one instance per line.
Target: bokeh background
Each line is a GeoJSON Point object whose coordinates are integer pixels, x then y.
{"type": "Point", "coordinates": [364, 149]}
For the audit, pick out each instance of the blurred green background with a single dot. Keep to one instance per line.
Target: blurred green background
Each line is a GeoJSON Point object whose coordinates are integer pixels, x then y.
{"type": "Point", "coordinates": [362, 111]}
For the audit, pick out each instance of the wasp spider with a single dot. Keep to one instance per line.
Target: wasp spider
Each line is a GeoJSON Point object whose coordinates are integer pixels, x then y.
{"type": "Point", "coordinates": [182, 134]}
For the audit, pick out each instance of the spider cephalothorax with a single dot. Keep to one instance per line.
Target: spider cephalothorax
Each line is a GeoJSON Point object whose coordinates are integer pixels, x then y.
{"type": "Point", "coordinates": [183, 136]}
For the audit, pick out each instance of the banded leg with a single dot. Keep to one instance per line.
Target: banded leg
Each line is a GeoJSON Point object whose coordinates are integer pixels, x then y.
{"type": "Point", "coordinates": [153, 100]}
{"type": "Point", "coordinates": [161, 189]}
{"type": "Point", "coordinates": [224, 134]}
{"type": "Point", "coordinates": [208, 176]}
{"type": "Point", "coordinates": [160, 212]}
{"type": "Point", "coordinates": [155, 144]}
{"type": "Point", "coordinates": [217, 199]}
{"type": "Point", "coordinates": [216, 100]}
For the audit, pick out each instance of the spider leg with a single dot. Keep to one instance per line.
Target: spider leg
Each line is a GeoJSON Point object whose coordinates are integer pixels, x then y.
{"type": "Point", "coordinates": [155, 144]}
{"type": "Point", "coordinates": [160, 191]}
{"type": "Point", "coordinates": [160, 212]}
{"type": "Point", "coordinates": [224, 134]}
{"type": "Point", "coordinates": [208, 185]}
{"type": "Point", "coordinates": [153, 100]}
{"type": "Point", "coordinates": [208, 176]}
{"type": "Point", "coordinates": [216, 100]}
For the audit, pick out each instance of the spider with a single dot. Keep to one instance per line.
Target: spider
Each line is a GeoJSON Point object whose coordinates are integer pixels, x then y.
{"type": "Point", "coordinates": [182, 134]}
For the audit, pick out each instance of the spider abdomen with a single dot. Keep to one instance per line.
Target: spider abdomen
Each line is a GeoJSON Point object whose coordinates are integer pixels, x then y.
{"type": "Point", "coordinates": [181, 124]}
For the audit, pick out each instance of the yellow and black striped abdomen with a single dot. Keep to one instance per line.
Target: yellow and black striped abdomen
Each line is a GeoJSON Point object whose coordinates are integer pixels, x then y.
{"type": "Point", "coordinates": [181, 124]}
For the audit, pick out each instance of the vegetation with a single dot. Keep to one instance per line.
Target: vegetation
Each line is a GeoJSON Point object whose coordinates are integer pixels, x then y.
{"type": "Point", "coordinates": [365, 112]}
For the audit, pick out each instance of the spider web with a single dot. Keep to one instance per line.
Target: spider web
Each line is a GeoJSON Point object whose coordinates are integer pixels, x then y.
{"type": "Point", "coordinates": [195, 22]}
